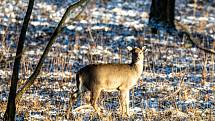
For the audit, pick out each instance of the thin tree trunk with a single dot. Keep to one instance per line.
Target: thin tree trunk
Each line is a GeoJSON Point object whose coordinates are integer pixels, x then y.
{"type": "Point", "coordinates": [11, 105]}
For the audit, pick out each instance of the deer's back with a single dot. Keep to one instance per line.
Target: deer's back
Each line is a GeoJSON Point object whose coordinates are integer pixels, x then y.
{"type": "Point", "coordinates": [108, 76]}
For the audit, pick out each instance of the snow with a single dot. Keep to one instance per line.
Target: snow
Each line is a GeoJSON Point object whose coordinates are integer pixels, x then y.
{"type": "Point", "coordinates": [115, 27]}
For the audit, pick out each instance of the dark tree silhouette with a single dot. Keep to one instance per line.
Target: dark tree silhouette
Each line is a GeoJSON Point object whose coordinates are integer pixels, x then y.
{"type": "Point", "coordinates": [11, 105]}
{"type": "Point", "coordinates": [162, 15]}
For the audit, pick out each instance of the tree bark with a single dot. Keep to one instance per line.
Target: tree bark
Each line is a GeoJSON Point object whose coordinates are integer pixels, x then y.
{"type": "Point", "coordinates": [162, 15]}
{"type": "Point", "coordinates": [11, 105]}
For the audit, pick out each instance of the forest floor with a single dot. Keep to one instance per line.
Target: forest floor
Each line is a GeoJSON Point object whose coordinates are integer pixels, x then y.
{"type": "Point", "coordinates": [178, 79]}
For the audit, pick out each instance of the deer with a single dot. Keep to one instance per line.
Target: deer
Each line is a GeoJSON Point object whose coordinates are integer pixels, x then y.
{"type": "Point", "coordinates": [109, 77]}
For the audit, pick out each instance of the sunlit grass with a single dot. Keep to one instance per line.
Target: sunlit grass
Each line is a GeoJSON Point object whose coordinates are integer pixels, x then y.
{"type": "Point", "coordinates": [177, 82]}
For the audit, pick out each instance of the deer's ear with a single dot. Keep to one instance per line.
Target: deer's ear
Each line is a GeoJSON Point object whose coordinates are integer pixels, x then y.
{"type": "Point", "coordinates": [143, 48]}
{"type": "Point", "coordinates": [129, 48]}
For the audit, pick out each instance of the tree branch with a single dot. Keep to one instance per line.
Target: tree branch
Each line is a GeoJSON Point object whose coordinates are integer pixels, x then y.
{"type": "Point", "coordinates": [193, 40]}
{"type": "Point", "coordinates": [58, 29]}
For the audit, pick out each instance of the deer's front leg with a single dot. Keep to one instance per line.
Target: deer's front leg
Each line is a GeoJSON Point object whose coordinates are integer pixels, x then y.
{"type": "Point", "coordinates": [124, 99]}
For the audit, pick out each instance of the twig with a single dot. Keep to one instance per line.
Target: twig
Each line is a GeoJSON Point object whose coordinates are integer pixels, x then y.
{"type": "Point", "coordinates": [172, 95]}
{"type": "Point", "coordinates": [91, 36]}
{"type": "Point", "coordinates": [181, 86]}
{"type": "Point", "coordinates": [83, 107]}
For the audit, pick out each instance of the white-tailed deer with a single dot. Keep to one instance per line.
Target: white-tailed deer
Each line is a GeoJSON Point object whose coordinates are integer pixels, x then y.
{"type": "Point", "coordinates": [109, 77]}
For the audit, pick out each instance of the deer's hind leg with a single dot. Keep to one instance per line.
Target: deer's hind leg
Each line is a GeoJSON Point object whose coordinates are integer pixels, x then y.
{"type": "Point", "coordinates": [94, 97]}
{"type": "Point", "coordinates": [73, 97]}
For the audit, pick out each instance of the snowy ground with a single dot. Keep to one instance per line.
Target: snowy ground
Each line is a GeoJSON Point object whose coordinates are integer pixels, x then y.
{"type": "Point", "coordinates": [114, 26]}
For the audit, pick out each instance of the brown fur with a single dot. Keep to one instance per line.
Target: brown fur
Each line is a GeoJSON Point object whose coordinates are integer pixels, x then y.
{"type": "Point", "coordinates": [109, 77]}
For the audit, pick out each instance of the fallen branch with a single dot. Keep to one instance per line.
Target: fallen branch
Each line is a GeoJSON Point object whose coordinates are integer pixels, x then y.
{"type": "Point", "coordinates": [193, 40]}
{"type": "Point", "coordinates": [181, 86]}
{"type": "Point", "coordinates": [172, 95]}
{"type": "Point", "coordinates": [87, 106]}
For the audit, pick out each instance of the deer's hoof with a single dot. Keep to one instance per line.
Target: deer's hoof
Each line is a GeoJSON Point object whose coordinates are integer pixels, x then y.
{"type": "Point", "coordinates": [97, 110]}
{"type": "Point", "coordinates": [127, 114]}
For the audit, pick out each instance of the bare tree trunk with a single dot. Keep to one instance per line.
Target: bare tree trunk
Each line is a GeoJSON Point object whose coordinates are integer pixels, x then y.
{"type": "Point", "coordinates": [162, 14]}
{"type": "Point", "coordinates": [11, 105]}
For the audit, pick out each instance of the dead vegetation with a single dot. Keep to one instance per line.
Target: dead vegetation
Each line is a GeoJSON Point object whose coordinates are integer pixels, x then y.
{"type": "Point", "coordinates": [177, 81]}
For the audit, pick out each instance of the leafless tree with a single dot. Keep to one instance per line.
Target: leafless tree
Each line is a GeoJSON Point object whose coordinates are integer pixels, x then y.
{"type": "Point", "coordinates": [15, 95]}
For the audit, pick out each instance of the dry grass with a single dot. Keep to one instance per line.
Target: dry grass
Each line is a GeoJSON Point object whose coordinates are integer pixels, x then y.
{"type": "Point", "coordinates": [177, 83]}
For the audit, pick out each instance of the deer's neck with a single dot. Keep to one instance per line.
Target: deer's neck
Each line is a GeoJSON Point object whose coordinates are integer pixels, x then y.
{"type": "Point", "coordinates": [138, 66]}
